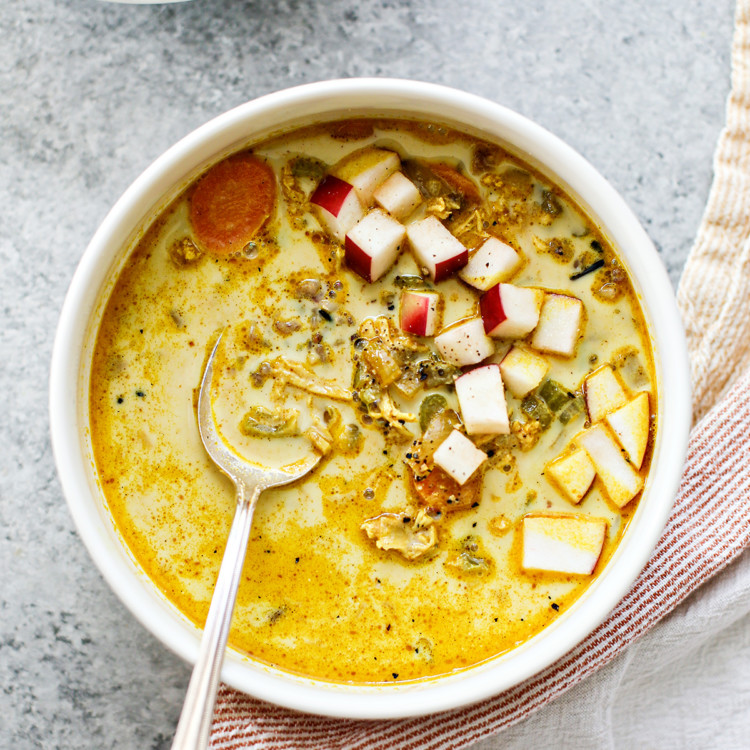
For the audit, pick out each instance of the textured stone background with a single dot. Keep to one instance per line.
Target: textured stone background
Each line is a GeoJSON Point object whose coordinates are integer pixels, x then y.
{"type": "Point", "coordinates": [91, 93]}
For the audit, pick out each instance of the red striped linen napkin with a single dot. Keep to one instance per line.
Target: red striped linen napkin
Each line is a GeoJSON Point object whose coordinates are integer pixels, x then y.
{"type": "Point", "coordinates": [710, 522]}
{"type": "Point", "coordinates": [708, 528]}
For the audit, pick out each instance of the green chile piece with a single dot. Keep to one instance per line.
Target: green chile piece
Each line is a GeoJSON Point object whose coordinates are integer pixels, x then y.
{"type": "Point", "coordinates": [429, 407]}
{"type": "Point", "coordinates": [262, 422]}
{"type": "Point", "coordinates": [555, 395]}
{"type": "Point", "coordinates": [409, 281]}
{"type": "Point", "coordinates": [572, 410]}
{"type": "Point", "coordinates": [434, 372]}
{"type": "Point", "coordinates": [535, 408]}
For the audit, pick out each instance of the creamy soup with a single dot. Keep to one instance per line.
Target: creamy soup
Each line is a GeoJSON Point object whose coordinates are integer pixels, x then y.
{"type": "Point", "coordinates": [446, 328]}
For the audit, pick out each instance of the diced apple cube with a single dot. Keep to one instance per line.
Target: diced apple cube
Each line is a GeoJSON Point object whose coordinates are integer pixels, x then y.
{"type": "Point", "coordinates": [621, 481]}
{"type": "Point", "coordinates": [559, 325]}
{"type": "Point", "coordinates": [510, 311]}
{"type": "Point", "coordinates": [631, 423]}
{"type": "Point", "coordinates": [562, 543]}
{"type": "Point", "coordinates": [522, 371]}
{"type": "Point", "coordinates": [398, 195]}
{"type": "Point", "coordinates": [338, 206]}
{"type": "Point", "coordinates": [418, 313]}
{"type": "Point", "coordinates": [435, 248]}
{"type": "Point", "coordinates": [603, 393]}
{"type": "Point", "coordinates": [491, 263]}
{"type": "Point", "coordinates": [373, 243]}
{"type": "Point", "coordinates": [458, 457]}
{"type": "Point", "coordinates": [366, 169]}
{"type": "Point", "coordinates": [481, 398]}
{"type": "Point", "coordinates": [464, 343]}
{"type": "Point", "coordinates": [573, 474]}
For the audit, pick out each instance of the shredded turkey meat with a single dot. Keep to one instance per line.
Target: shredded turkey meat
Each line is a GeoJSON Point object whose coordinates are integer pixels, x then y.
{"type": "Point", "coordinates": [320, 436]}
{"type": "Point", "coordinates": [286, 372]}
{"type": "Point", "coordinates": [395, 418]}
{"type": "Point", "coordinates": [394, 338]}
{"type": "Point", "coordinates": [410, 534]}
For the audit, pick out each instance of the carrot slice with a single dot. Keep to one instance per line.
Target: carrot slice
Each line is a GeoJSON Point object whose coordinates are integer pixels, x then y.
{"type": "Point", "coordinates": [231, 202]}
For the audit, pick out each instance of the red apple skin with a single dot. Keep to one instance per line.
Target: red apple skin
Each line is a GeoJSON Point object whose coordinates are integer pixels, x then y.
{"type": "Point", "coordinates": [413, 317]}
{"type": "Point", "coordinates": [357, 259]}
{"type": "Point", "coordinates": [448, 267]}
{"type": "Point", "coordinates": [331, 194]}
{"type": "Point", "coordinates": [491, 309]}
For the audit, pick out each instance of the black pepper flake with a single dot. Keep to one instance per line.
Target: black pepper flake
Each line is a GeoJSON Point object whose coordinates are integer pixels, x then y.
{"type": "Point", "coordinates": [388, 627]}
{"type": "Point", "coordinates": [475, 505]}
{"type": "Point", "coordinates": [474, 525]}
{"type": "Point", "coordinates": [395, 675]}
{"type": "Point", "coordinates": [141, 330]}
{"type": "Point", "coordinates": [496, 619]}
{"type": "Point", "coordinates": [556, 607]}
{"type": "Point", "coordinates": [406, 519]}
{"type": "Point", "coordinates": [120, 399]}
{"type": "Point", "coordinates": [325, 315]}
{"type": "Point", "coordinates": [408, 455]}
{"type": "Point", "coordinates": [596, 245]}
{"type": "Point", "coordinates": [595, 266]}
{"type": "Point", "coordinates": [391, 307]}
{"type": "Point", "coordinates": [296, 559]}
{"type": "Point", "coordinates": [490, 453]}
{"type": "Point", "coordinates": [140, 394]}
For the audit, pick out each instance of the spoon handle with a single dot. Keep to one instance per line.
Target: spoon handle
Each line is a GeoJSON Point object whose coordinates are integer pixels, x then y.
{"type": "Point", "coordinates": [197, 712]}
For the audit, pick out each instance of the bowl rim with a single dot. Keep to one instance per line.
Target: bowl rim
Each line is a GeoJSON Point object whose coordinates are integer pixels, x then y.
{"type": "Point", "coordinates": [349, 97]}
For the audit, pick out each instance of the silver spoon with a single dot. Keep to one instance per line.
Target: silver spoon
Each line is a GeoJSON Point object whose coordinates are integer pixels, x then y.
{"type": "Point", "coordinates": [249, 480]}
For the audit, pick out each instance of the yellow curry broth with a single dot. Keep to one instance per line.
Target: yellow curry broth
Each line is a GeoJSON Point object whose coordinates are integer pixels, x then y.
{"type": "Point", "coordinates": [317, 597]}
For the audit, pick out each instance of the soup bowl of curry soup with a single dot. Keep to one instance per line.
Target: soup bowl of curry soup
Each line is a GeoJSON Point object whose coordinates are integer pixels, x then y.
{"type": "Point", "coordinates": [451, 308]}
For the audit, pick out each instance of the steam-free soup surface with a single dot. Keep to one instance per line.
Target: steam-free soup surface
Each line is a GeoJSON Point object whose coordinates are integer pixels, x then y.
{"type": "Point", "coordinates": [318, 596]}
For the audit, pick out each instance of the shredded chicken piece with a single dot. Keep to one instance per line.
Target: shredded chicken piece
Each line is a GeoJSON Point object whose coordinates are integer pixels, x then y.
{"type": "Point", "coordinates": [411, 535]}
{"type": "Point", "coordinates": [528, 433]}
{"type": "Point", "coordinates": [478, 227]}
{"type": "Point", "coordinates": [287, 372]}
{"type": "Point", "coordinates": [294, 196]}
{"type": "Point", "coordinates": [393, 416]}
{"type": "Point", "coordinates": [393, 337]}
{"type": "Point", "coordinates": [441, 207]}
{"type": "Point", "coordinates": [320, 436]}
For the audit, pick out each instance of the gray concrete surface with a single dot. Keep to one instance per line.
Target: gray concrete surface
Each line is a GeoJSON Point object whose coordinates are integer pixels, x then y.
{"type": "Point", "coordinates": [91, 93]}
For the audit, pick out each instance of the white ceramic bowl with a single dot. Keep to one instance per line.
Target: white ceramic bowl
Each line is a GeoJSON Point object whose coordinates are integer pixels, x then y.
{"type": "Point", "coordinates": [277, 113]}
